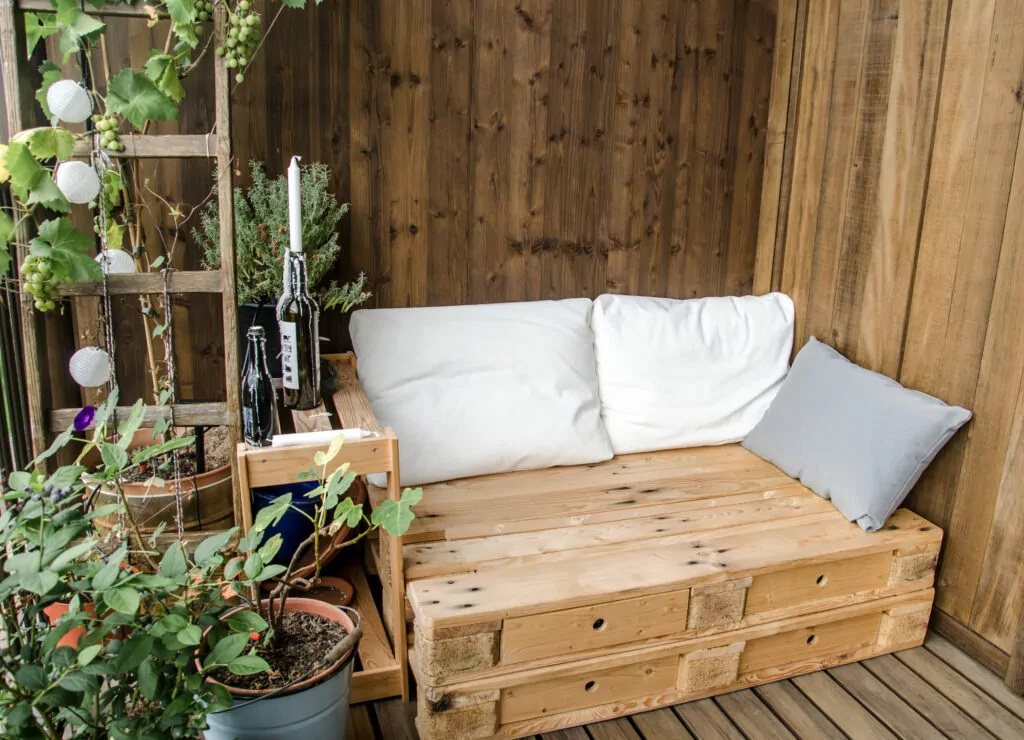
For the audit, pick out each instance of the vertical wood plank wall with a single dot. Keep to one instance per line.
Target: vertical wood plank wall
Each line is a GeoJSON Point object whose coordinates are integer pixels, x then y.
{"type": "Point", "coordinates": [491, 150]}
{"type": "Point", "coordinates": [542, 149]}
{"type": "Point", "coordinates": [900, 237]}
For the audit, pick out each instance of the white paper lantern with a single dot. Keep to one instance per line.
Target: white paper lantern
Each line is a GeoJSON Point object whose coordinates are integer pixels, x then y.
{"type": "Point", "coordinates": [115, 262]}
{"type": "Point", "coordinates": [69, 101]}
{"type": "Point", "coordinates": [90, 367]}
{"type": "Point", "coordinates": [77, 181]}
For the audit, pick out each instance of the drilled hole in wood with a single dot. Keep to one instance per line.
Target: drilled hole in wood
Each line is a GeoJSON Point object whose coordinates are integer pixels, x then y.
{"type": "Point", "coordinates": [590, 686]}
{"type": "Point", "coordinates": [822, 580]}
{"type": "Point", "coordinates": [812, 639]}
{"type": "Point", "coordinates": [599, 624]}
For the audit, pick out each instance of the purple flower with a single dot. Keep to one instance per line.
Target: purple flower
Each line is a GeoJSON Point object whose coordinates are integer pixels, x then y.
{"type": "Point", "coordinates": [84, 418]}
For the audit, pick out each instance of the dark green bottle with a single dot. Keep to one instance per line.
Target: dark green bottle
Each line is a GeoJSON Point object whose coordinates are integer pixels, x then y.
{"type": "Point", "coordinates": [298, 317]}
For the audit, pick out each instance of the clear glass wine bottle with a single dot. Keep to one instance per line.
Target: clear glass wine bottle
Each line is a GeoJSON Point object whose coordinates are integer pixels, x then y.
{"type": "Point", "coordinates": [258, 396]}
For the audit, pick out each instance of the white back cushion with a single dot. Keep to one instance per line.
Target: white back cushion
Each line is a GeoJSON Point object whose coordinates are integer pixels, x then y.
{"type": "Point", "coordinates": [471, 390]}
{"type": "Point", "coordinates": [688, 373]}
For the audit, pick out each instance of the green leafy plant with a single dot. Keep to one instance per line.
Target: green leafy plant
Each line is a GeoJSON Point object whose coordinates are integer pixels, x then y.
{"type": "Point", "coordinates": [134, 617]}
{"type": "Point", "coordinates": [261, 237]}
{"type": "Point", "coordinates": [334, 509]}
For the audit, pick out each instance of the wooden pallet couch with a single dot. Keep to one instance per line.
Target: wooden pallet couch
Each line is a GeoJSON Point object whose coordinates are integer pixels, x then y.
{"type": "Point", "coordinates": [647, 580]}
{"type": "Point", "coordinates": [543, 599]}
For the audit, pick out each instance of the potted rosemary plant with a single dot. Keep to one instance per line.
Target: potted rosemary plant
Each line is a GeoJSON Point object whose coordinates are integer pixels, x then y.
{"type": "Point", "coordinates": [261, 240]}
{"type": "Point", "coordinates": [308, 645]}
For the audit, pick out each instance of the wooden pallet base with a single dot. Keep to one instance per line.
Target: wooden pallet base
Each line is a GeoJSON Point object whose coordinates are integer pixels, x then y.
{"type": "Point", "coordinates": [541, 700]}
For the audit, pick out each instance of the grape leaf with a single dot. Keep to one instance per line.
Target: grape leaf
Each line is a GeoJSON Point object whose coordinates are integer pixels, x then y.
{"type": "Point", "coordinates": [23, 168]}
{"type": "Point", "coordinates": [75, 25]}
{"type": "Point", "coordinates": [298, 4]}
{"type": "Point", "coordinates": [160, 68]}
{"type": "Point", "coordinates": [63, 243]}
{"type": "Point", "coordinates": [137, 98]}
{"type": "Point", "coordinates": [51, 73]}
{"type": "Point", "coordinates": [187, 36]}
{"type": "Point", "coordinates": [48, 141]}
{"type": "Point", "coordinates": [181, 11]}
{"type": "Point", "coordinates": [47, 194]}
{"type": "Point", "coordinates": [39, 27]}
{"type": "Point", "coordinates": [6, 231]}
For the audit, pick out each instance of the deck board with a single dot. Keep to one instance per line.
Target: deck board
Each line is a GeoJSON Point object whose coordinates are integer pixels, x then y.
{"type": "Point", "coordinates": [879, 699]}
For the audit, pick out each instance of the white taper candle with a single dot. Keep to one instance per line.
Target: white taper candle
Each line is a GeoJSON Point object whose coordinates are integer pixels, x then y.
{"type": "Point", "coordinates": [294, 206]}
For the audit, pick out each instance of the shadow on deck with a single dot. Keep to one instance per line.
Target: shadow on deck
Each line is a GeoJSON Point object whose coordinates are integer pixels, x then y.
{"type": "Point", "coordinates": [934, 691]}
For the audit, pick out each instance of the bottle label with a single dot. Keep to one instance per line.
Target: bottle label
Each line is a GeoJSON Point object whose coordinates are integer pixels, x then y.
{"type": "Point", "coordinates": [289, 355]}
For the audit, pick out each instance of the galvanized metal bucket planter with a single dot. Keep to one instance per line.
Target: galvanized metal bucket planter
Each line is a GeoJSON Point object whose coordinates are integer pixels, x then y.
{"type": "Point", "coordinates": [314, 708]}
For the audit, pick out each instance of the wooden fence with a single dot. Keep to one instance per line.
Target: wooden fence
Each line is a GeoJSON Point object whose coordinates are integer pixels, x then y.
{"type": "Point", "coordinates": [900, 237]}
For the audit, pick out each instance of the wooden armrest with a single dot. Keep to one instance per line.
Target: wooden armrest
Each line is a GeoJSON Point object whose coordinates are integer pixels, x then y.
{"type": "Point", "coordinates": [350, 400]}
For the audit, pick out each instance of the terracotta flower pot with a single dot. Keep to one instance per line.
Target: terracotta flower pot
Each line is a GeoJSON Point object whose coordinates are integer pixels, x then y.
{"type": "Point", "coordinates": [57, 610]}
{"type": "Point", "coordinates": [207, 498]}
{"type": "Point", "coordinates": [316, 707]}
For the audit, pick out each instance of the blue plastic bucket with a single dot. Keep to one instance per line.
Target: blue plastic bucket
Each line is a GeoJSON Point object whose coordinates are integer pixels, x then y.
{"type": "Point", "coordinates": [293, 527]}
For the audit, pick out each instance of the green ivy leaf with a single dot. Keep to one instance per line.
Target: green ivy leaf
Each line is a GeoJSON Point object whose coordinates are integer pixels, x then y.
{"type": "Point", "coordinates": [137, 98]}
{"type": "Point", "coordinates": [45, 142]}
{"type": "Point", "coordinates": [245, 665]}
{"type": "Point", "coordinates": [161, 69]}
{"type": "Point", "coordinates": [51, 73]}
{"type": "Point", "coordinates": [123, 599]}
{"type": "Point", "coordinates": [38, 27]}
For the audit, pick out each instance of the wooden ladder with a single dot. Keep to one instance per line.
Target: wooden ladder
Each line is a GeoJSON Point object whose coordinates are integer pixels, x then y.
{"type": "Point", "coordinates": [21, 112]}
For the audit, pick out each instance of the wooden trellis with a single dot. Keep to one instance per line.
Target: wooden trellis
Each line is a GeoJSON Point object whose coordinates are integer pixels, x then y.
{"type": "Point", "coordinates": [21, 113]}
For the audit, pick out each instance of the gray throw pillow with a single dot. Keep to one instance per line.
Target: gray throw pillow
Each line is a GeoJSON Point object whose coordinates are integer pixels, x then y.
{"type": "Point", "coordinates": [850, 435]}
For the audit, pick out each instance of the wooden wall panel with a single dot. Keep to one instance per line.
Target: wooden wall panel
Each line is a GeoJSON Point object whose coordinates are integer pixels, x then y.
{"type": "Point", "coordinates": [901, 236]}
{"type": "Point", "coordinates": [556, 149]}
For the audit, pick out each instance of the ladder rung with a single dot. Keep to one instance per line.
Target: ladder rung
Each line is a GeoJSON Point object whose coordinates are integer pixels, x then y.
{"type": "Point", "coordinates": [142, 283]}
{"type": "Point", "coordinates": [135, 9]}
{"type": "Point", "coordinates": [185, 414]}
{"type": "Point", "coordinates": [162, 146]}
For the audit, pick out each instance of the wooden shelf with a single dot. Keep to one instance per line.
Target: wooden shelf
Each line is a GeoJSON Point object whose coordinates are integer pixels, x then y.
{"type": "Point", "coordinates": [185, 414]}
{"type": "Point", "coordinates": [165, 146]}
{"type": "Point", "coordinates": [131, 10]}
{"type": "Point", "coordinates": [178, 281]}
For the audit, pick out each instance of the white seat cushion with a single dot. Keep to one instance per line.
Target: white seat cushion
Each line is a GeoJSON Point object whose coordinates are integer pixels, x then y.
{"type": "Point", "coordinates": [471, 390]}
{"type": "Point", "coordinates": [688, 373]}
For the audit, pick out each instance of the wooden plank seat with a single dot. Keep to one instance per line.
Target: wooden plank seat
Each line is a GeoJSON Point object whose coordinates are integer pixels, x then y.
{"type": "Point", "coordinates": [523, 579]}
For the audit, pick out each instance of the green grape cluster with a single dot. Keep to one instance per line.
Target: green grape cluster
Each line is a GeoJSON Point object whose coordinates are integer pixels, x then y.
{"type": "Point", "coordinates": [110, 131]}
{"type": "Point", "coordinates": [41, 281]}
{"type": "Point", "coordinates": [204, 10]}
{"type": "Point", "coordinates": [243, 38]}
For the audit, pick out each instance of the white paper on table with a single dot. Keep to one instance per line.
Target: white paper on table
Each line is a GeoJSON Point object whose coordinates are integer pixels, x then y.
{"type": "Point", "coordinates": [318, 438]}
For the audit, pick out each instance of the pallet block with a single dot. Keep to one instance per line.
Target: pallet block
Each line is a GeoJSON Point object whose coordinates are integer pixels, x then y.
{"type": "Point", "coordinates": [521, 703]}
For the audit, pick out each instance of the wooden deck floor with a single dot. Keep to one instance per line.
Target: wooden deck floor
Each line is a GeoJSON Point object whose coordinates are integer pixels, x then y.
{"type": "Point", "coordinates": [935, 691]}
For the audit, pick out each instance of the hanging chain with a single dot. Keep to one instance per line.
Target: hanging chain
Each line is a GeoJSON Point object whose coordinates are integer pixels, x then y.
{"type": "Point", "coordinates": [179, 512]}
